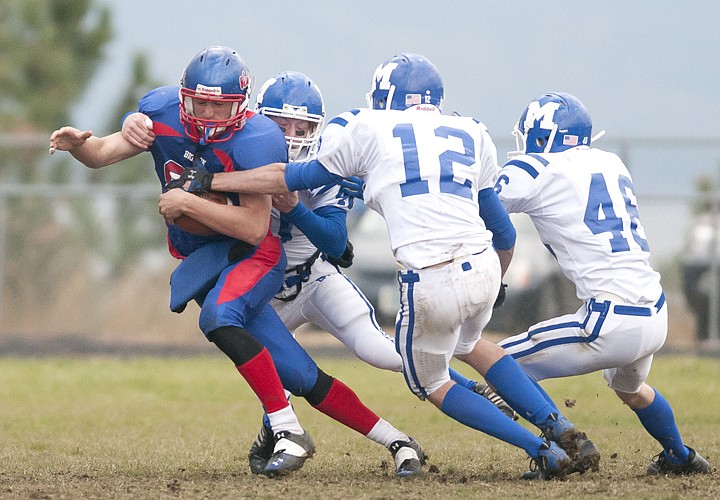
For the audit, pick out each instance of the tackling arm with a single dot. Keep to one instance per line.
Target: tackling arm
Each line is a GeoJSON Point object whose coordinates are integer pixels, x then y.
{"type": "Point", "coordinates": [275, 178]}
{"type": "Point", "coordinates": [325, 227]}
{"type": "Point", "coordinates": [269, 179]}
{"type": "Point", "coordinates": [498, 222]}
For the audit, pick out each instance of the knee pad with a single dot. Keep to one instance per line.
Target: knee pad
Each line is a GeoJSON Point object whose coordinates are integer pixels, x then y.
{"type": "Point", "coordinates": [321, 388]}
{"type": "Point", "coordinates": [236, 343]}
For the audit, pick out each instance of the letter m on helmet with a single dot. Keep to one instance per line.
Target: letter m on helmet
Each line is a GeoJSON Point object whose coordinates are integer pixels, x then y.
{"type": "Point", "coordinates": [382, 76]}
{"type": "Point", "coordinates": [545, 114]}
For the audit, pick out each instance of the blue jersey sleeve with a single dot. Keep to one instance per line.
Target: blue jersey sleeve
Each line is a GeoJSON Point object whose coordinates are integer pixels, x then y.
{"type": "Point", "coordinates": [496, 219]}
{"type": "Point", "coordinates": [308, 175]}
{"type": "Point", "coordinates": [325, 227]}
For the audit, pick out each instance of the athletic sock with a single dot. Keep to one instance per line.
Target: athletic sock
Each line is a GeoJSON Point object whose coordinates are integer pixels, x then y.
{"type": "Point", "coordinates": [285, 420]}
{"type": "Point", "coordinates": [266, 420]}
{"type": "Point", "coordinates": [659, 421]}
{"type": "Point", "coordinates": [475, 411]}
{"type": "Point", "coordinates": [515, 387]}
{"type": "Point", "coordinates": [263, 379]}
{"type": "Point", "coordinates": [544, 394]}
{"type": "Point", "coordinates": [343, 405]}
{"type": "Point", "coordinates": [386, 434]}
{"type": "Point", "coordinates": [459, 379]}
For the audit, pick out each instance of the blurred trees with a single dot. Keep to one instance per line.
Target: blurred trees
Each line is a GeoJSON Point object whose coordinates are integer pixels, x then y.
{"type": "Point", "coordinates": [50, 51]}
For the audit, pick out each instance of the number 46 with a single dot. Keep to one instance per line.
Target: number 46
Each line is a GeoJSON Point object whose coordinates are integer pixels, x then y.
{"type": "Point", "coordinates": [600, 201]}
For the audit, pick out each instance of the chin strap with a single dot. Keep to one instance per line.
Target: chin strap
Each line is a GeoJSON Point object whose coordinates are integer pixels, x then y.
{"type": "Point", "coordinates": [597, 136]}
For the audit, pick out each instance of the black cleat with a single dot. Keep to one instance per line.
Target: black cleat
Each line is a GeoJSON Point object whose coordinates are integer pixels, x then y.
{"type": "Point", "coordinates": [485, 391]}
{"type": "Point", "coordinates": [696, 464]}
{"type": "Point", "coordinates": [261, 450]}
{"type": "Point", "coordinates": [409, 458]}
{"type": "Point", "coordinates": [290, 453]}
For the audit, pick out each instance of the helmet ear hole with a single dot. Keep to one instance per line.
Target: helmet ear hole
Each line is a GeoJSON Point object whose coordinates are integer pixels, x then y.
{"type": "Point", "coordinates": [540, 142]}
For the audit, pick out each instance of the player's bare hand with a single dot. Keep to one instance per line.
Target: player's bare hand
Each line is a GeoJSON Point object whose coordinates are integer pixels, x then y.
{"type": "Point", "coordinates": [285, 202]}
{"type": "Point", "coordinates": [67, 139]}
{"type": "Point", "coordinates": [172, 203]}
{"type": "Point", "coordinates": [137, 129]}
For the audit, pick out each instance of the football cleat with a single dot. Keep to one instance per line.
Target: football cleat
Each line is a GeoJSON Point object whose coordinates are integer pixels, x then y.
{"type": "Point", "coordinates": [485, 391]}
{"type": "Point", "coordinates": [580, 449]}
{"type": "Point", "coordinates": [409, 458]}
{"type": "Point", "coordinates": [551, 462]}
{"type": "Point", "coordinates": [261, 450]}
{"type": "Point", "coordinates": [695, 464]}
{"type": "Point", "coordinates": [290, 453]}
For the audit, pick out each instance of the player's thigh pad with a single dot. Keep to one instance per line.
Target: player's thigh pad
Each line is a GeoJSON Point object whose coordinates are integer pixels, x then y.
{"type": "Point", "coordinates": [434, 305]}
{"type": "Point", "coordinates": [241, 291]}
{"type": "Point", "coordinates": [649, 335]}
{"type": "Point", "coordinates": [585, 342]}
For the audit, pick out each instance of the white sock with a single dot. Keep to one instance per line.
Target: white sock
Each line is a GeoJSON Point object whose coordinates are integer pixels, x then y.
{"type": "Point", "coordinates": [386, 434]}
{"type": "Point", "coordinates": [285, 420]}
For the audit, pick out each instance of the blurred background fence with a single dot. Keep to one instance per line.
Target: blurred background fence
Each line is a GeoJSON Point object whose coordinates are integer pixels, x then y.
{"type": "Point", "coordinates": [84, 261]}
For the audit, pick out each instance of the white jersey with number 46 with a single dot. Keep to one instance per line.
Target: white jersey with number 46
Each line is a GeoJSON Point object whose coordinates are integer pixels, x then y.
{"type": "Point", "coordinates": [583, 204]}
{"type": "Point", "coordinates": [422, 172]}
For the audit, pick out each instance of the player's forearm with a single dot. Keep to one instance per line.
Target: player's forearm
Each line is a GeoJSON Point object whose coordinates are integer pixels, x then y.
{"type": "Point", "coordinates": [242, 223]}
{"type": "Point", "coordinates": [97, 152]}
{"type": "Point", "coordinates": [269, 179]}
{"type": "Point", "coordinates": [325, 228]}
{"type": "Point", "coordinates": [505, 258]}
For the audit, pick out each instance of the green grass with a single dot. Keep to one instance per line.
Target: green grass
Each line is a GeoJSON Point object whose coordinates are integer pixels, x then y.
{"type": "Point", "coordinates": [180, 428]}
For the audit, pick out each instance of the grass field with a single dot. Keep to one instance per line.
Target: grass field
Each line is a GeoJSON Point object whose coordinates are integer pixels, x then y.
{"type": "Point", "coordinates": [180, 428]}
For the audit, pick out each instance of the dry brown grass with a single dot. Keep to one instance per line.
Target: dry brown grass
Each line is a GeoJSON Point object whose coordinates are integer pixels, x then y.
{"type": "Point", "coordinates": [180, 428]}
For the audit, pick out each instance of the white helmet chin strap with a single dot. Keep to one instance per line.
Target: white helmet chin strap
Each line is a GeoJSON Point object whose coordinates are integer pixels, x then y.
{"type": "Point", "coordinates": [519, 142]}
{"type": "Point", "coordinates": [597, 136]}
{"type": "Point", "coordinates": [551, 139]}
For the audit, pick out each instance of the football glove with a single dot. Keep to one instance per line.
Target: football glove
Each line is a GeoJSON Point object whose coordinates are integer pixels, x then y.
{"type": "Point", "coordinates": [199, 178]}
{"type": "Point", "coordinates": [352, 187]}
{"type": "Point", "coordinates": [500, 300]}
{"type": "Point", "coordinates": [346, 259]}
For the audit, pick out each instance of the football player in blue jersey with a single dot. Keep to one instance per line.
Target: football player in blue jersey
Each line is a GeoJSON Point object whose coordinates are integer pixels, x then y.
{"type": "Point", "coordinates": [234, 272]}
{"type": "Point", "coordinates": [312, 227]}
{"type": "Point", "coordinates": [582, 202]}
{"type": "Point", "coordinates": [431, 176]}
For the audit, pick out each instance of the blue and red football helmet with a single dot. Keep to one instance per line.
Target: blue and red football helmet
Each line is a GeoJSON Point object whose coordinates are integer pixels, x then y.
{"type": "Point", "coordinates": [405, 81]}
{"type": "Point", "coordinates": [215, 74]}
{"type": "Point", "coordinates": [551, 123]}
{"type": "Point", "coordinates": [292, 95]}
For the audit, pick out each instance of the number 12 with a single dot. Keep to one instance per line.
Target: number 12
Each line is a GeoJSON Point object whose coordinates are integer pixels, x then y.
{"type": "Point", "coordinates": [414, 184]}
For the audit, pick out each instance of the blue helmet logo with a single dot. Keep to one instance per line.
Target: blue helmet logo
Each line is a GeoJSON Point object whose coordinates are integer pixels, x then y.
{"type": "Point", "coordinates": [405, 81]}
{"type": "Point", "coordinates": [552, 123]}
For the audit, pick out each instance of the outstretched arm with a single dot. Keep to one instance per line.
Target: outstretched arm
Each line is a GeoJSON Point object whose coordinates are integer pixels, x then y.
{"type": "Point", "coordinates": [92, 151]}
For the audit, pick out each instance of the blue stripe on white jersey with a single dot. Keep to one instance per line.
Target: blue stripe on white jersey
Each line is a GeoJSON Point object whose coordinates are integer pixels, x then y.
{"type": "Point", "coordinates": [339, 120]}
{"type": "Point", "coordinates": [532, 164]}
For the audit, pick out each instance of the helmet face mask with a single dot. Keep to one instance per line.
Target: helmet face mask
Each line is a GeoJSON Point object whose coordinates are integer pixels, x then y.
{"type": "Point", "coordinates": [552, 123]}
{"type": "Point", "coordinates": [291, 95]}
{"type": "Point", "coordinates": [406, 81]}
{"type": "Point", "coordinates": [216, 75]}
